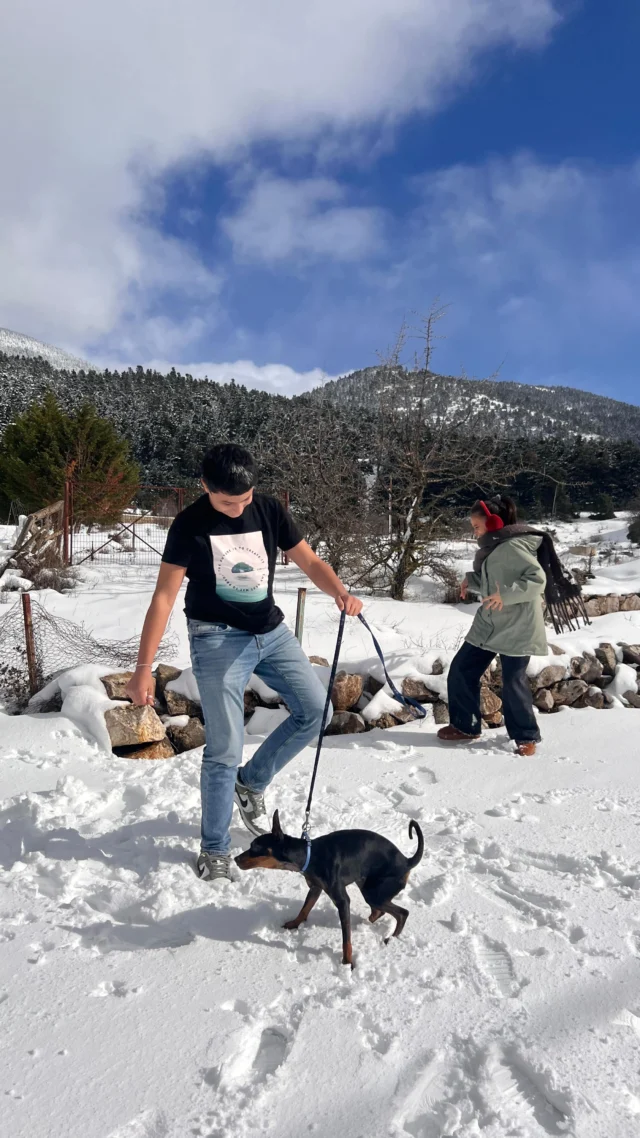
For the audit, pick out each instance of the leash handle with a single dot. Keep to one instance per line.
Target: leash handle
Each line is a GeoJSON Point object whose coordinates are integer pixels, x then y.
{"type": "Point", "coordinates": [416, 708]}
{"type": "Point", "coordinates": [334, 669]}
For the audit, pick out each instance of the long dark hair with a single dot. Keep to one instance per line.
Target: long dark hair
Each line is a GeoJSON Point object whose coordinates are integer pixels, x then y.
{"type": "Point", "coordinates": [503, 507]}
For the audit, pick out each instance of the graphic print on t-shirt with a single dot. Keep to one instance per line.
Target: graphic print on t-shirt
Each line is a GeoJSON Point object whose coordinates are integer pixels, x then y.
{"type": "Point", "coordinates": [241, 566]}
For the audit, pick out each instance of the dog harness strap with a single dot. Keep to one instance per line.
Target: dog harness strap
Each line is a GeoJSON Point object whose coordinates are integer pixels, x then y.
{"type": "Point", "coordinates": [308, 857]}
{"type": "Point", "coordinates": [416, 708]}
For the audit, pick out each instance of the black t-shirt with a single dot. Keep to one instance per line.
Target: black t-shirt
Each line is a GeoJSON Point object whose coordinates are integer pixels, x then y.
{"type": "Point", "coordinates": [230, 562]}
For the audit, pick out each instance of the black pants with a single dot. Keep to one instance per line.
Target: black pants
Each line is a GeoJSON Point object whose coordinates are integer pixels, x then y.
{"type": "Point", "coordinates": [463, 684]}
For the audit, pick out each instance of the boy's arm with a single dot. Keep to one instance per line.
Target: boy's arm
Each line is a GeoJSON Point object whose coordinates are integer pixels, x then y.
{"type": "Point", "coordinates": [141, 686]}
{"type": "Point", "coordinates": [324, 577]}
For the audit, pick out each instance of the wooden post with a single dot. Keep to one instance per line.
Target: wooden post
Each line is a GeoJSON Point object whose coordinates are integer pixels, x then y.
{"type": "Point", "coordinates": [302, 596]}
{"type": "Point", "coordinates": [287, 501]}
{"type": "Point", "coordinates": [32, 663]}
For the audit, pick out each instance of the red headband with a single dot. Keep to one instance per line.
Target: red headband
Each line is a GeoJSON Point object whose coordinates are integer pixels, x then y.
{"type": "Point", "coordinates": [494, 522]}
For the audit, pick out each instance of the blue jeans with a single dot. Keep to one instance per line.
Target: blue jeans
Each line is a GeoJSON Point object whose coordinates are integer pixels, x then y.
{"type": "Point", "coordinates": [463, 688]}
{"type": "Point", "coordinates": [223, 659]}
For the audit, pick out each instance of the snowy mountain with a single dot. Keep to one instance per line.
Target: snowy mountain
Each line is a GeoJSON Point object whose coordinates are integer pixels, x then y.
{"type": "Point", "coordinates": [15, 344]}
{"type": "Point", "coordinates": [492, 406]}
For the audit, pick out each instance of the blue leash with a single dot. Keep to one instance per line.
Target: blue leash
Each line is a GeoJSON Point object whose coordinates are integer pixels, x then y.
{"type": "Point", "coordinates": [414, 705]}
{"type": "Point", "coordinates": [416, 709]}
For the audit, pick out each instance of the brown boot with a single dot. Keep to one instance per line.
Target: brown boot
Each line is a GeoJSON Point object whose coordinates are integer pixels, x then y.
{"type": "Point", "coordinates": [450, 734]}
{"type": "Point", "coordinates": [526, 750]}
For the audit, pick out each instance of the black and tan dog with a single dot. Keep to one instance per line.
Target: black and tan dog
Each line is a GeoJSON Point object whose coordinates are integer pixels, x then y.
{"type": "Point", "coordinates": [333, 861]}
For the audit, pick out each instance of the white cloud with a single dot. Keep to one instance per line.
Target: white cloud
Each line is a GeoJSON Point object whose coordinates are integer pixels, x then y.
{"type": "Point", "coordinates": [282, 220]}
{"type": "Point", "coordinates": [279, 379]}
{"type": "Point", "coordinates": [100, 99]}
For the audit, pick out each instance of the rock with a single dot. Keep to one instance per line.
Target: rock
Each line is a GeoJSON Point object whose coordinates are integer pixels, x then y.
{"type": "Point", "coordinates": [187, 738]}
{"type": "Point", "coordinates": [393, 718]}
{"type": "Point", "coordinates": [128, 725]}
{"type": "Point", "coordinates": [251, 701]}
{"type": "Point", "coordinates": [163, 749]}
{"type": "Point", "coordinates": [630, 603]}
{"type": "Point", "coordinates": [346, 723]}
{"type": "Point", "coordinates": [372, 685]}
{"type": "Point", "coordinates": [594, 670]}
{"type": "Point", "coordinates": [115, 683]}
{"type": "Point", "coordinates": [578, 667]}
{"type": "Point", "coordinates": [494, 721]}
{"type": "Point", "coordinates": [632, 698]}
{"type": "Point", "coordinates": [163, 674]}
{"type": "Point", "coordinates": [631, 654]}
{"type": "Point", "coordinates": [594, 697]}
{"type": "Point", "coordinates": [178, 704]}
{"type": "Point", "coordinates": [319, 660]}
{"type": "Point", "coordinates": [438, 668]}
{"type": "Point", "coordinates": [603, 606]}
{"type": "Point", "coordinates": [568, 692]}
{"type": "Point", "coordinates": [384, 721]}
{"type": "Point", "coordinates": [552, 674]}
{"type": "Point", "coordinates": [543, 699]}
{"type": "Point", "coordinates": [346, 691]}
{"type": "Point", "coordinates": [603, 682]}
{"type": "Point", "coordinates": [441, 713]}
{"type": "Point", "coordinates": [606, 654]}
{"type": "Point", "coordinates": [490, 704]}
{"type": "Point", "coordinates": [416, 689]}
{"type": "Point", "coordinates": [555, 651]}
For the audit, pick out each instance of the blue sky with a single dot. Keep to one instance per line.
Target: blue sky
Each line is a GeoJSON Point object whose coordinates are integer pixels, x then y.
{"type": "Point", "coordinates": [268, 197]}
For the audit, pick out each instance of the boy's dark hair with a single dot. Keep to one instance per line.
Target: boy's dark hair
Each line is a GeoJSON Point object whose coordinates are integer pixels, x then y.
{"type": "Point", "coordinates": [498, 504]}
{"type": "Point", "coordinates": [228, 469]}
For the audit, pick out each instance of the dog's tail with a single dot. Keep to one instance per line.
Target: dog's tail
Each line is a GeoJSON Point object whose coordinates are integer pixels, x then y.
{"type": "Point", "coordinates": [417, 857]}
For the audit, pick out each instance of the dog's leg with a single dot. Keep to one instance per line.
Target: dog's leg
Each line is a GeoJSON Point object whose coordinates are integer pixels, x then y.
{"type": "Point", "coordinates": [375, 915]}
{"type": "Point", "coordinates": [312, 897]}
{"type": "Point", "coordinates": [400, 915]}
{"type": "Point", "coordinates": [340, 898]}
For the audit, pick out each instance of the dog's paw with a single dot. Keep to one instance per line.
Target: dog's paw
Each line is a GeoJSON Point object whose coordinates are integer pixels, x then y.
{"type": "Point", "coordinates": [291, 925]}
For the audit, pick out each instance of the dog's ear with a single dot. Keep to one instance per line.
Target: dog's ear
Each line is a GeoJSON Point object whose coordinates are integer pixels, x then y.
{"type": "Point", "coordinates": [276, 828]}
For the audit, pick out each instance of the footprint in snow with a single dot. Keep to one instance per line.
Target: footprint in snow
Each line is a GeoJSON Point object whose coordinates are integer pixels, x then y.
{"type": "Point", "coordinates": [424, 1110]}
{"type": "Point", "coordinates": [495, 965]}
{"type": "Point", "coordinates": [149, 1124]}
{"type": "Point", "coordinates": [525, 1096]}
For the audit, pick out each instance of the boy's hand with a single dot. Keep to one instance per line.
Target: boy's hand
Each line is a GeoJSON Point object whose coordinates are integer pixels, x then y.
{"type": "Point", "coordinates": [141, 687]}
{"type": "Point", "coordinates": [350, 604]}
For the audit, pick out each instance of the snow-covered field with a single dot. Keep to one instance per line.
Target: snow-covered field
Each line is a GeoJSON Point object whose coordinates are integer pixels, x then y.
{"type": "Point", "coordinates": [138, 1002]}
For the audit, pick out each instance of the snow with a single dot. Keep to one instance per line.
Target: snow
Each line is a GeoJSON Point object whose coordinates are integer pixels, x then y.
{"type": "Point", "coordinates": [138, 1002]}
{"type": "Point", "coordinates": [265, 720]}
{"type": "Point", "coordinates": [16, 344]}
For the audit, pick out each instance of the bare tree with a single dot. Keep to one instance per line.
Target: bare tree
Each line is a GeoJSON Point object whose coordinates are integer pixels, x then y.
{"type": "Point", "coordinates": [425, 460]}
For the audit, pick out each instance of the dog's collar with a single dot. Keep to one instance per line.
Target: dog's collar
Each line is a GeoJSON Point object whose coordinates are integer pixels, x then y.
{"type": "Point", "coordinates": [308, 857]}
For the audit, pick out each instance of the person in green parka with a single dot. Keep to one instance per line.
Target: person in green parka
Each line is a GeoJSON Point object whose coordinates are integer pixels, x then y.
{"type": "Point", "coordinates": [511, 581]}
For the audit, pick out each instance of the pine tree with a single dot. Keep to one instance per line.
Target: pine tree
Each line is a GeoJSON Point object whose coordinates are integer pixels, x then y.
{"type": "Point", "coordinates": [45, 446]}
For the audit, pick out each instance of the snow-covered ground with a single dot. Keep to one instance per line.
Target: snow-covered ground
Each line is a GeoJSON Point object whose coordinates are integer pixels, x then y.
{"type": "Point", "coordinates": [138, 1002]}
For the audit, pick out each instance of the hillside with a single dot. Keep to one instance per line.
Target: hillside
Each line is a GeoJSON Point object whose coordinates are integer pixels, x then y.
{"type": "Point", "coordinates": [497, 406]}
{"type": "Point", "coordinates": [15, 344]}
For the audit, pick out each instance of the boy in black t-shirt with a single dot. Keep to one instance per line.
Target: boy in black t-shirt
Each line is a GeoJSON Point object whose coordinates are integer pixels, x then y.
{"type": "Point", "coordinates": [227, 543]}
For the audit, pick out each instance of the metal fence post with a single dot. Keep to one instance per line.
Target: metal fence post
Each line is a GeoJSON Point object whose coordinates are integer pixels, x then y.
{"type": "Point", "coordinates": [65, 524]}
{"type": "Point", "coordinates": [287, 502]}
{"type": "Point", "coordinates": [302, 596]}
{"type": "Point", "coordinates": [32, 663]}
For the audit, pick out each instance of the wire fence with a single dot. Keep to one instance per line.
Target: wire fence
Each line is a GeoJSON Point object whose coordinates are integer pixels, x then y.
{"type": "Point", "coordinates": [30, 657]}
{"type": "Point", "coordinates": [135, 537]}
